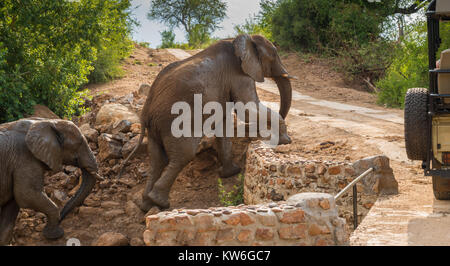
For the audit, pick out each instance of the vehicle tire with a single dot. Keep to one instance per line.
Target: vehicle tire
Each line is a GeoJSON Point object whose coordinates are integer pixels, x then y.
{"type": "Point", "coordinates": [416, 123]}
{"type": "Point", "coordinates": [441, 188]}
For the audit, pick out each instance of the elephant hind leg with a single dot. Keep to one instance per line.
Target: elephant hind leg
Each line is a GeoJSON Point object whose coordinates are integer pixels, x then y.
{"type": "Point", "coordinates": [8, 215]}
{"type": "Point", "coordinates": [158, 161]}
{"type": "Point", "coordinates": [180, 152]}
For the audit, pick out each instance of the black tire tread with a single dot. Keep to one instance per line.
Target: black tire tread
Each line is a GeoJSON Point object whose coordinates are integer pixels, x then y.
{"type": "Point", "coordinates": [441, 189]}
{"type": "Point", "coordinates": [416, 123]}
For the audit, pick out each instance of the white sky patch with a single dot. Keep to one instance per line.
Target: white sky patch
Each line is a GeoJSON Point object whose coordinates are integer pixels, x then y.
{"type": "Point", "coordinates": [149, 31]}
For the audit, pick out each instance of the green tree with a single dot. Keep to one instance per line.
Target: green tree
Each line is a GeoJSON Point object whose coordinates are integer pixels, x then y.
{"type": "Point", "coordinates": [260, 23]}
{"type": "Point", "coordinates": [167, 39]}
{"type": "Point", "coordinates": [49, 48]}
{"type": "Point", "coordinates": [319, 24]}
{"type": "Point", "coordinates": [410, 64]}
{"type": "Point", "coordinates": [358, 33]}
{"type": "Point", "coordinates": [115, 42]}
{"type": "Point", "coordinates": [199, 18]}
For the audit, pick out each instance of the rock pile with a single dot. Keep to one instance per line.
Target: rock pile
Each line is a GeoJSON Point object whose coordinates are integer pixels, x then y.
{"type": "Point", "coordinates": [113, 130]}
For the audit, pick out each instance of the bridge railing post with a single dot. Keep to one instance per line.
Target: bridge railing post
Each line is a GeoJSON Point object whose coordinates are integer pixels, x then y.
{"type": "Point", "coordinates": [355, 194]}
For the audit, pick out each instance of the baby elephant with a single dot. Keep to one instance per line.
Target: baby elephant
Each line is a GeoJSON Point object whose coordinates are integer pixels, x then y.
{"type": "Point", "coordinates": [28, 148]}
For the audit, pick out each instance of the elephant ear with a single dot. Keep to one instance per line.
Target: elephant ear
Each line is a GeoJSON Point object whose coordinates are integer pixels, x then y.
{"type": "Point", "coordinates": [45, 143]}
{"type": "Point", "coordinates": [245, 49]}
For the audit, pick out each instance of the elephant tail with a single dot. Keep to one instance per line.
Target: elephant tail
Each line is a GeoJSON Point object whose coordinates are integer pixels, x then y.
{"type": "Point", "coordinates": [124, 163]}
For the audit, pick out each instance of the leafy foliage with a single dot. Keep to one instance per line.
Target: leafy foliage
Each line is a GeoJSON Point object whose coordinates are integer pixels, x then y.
{"type": "Point", "coordinates": [357, 33]}
{"type": "Point", "coordinates": [367, 61]}
{"type": "Point", "coordinates": [167, 39]}
{"type": "Point", "coordinates": [314, 25]}
{"type": "Point", "coordinates": [261, 23]}
{"type": "Point", "coordinates": [12, 91]}
{"type": "Point", "coordinates": [49, 49]}
{"type": "Point", "coordinates": [253, 26]}
{"type": "Point", "coordinates": [233, 197]}
{"type": "Point", "coordinates": [114, 42]}
{"type": "Point", "coordinates": [198, 17]}
{"type": "Point", "coordinates": [144, 44]}
{"type": "Point", "coordinates": [410, 65]}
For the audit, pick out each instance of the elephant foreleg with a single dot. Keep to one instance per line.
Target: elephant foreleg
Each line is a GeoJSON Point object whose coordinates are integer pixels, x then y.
{"type": "Point", "coordinates": [8, 215]}
{"type": "Point", "coordinates": [30, 194]}
{"type": "Point", "coordinates": [39, 201]}
{"type": "Point", "coordinates": [225, 153]}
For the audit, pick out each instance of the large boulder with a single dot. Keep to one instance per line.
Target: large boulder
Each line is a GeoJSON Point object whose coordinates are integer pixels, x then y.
{"type": "Point", "coordinates": [114, 113]}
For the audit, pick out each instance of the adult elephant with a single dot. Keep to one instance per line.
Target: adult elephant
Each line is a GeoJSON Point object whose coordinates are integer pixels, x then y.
{"type": "Point", "coordinates": [28, 148]}
{"type": "Point", "coordinates": [224, 72]}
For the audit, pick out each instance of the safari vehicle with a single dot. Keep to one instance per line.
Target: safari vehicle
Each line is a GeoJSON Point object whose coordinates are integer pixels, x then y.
{"type": "Point", "coordinates": [427, 112]}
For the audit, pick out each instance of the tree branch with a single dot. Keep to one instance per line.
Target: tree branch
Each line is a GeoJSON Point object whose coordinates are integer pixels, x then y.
{"type": "Point", "coordinates": [411, 9]}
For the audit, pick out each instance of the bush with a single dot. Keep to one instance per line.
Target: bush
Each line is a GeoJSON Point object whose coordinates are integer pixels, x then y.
{"type": "Point", "coordinates": [14, 94]}
{"type": "Point", "coordinates": [144, 44]}
{"type": "Point", "coordinates": [114, 43]}
{"type": "Point", "coordinates": [49, 48]}
{"type": "Point", "coordinates": [409, 68]}
{"type": "Point", "coordinates": [301, 24]}
{"type": "Point", "coordinates": [261, 23]}
{"type": "Point", "coordinates": [317, 25]}
{"type": "Point", "coordinates": [167, 39]}
{"type": "Point", "coordinates": [253, 26]}
{"type": "Point", "coordinates": [107, 66]}
{"type": "Point", "coordinates": [364, 61]}
{"type": "Point", "coordinates": [233, 197]}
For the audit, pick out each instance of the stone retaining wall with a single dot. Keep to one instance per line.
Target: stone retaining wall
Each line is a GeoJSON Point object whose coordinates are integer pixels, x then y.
{"type": "Point", "coordinates": [304, 219]}
{"type": "Point", "coordinates": [270, 176]}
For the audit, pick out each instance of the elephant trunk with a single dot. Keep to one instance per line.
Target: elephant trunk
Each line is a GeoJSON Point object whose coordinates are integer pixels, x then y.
{"type": "Point", "coordinates": [87, 184]}
{"type": "Point", "coordinates": [284, 86]}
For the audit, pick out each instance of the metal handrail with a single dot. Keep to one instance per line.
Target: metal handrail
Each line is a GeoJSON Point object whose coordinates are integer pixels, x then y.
{"type": "Point", "coordinates": [355, 194]}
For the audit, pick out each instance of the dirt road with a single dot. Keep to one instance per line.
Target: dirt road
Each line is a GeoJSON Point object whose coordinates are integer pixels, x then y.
{"type": "Point", "coordinates": [413, 217]}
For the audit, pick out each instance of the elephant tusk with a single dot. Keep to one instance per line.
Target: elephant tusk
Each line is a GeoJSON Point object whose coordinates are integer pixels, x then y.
{"type": "Point", "coordinates": [289, 76]}
{"type": "Point", "coordinates": [97, 176]}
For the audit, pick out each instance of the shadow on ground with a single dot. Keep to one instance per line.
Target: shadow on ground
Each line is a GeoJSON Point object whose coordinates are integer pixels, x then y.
{"type": "Point", "coordinates": [432, 230]}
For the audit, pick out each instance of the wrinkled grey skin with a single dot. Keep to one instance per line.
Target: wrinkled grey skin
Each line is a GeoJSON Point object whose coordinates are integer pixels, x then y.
{"type": "Point", "coordinates": [28, 148]}
{"type": "Point", "coordinates": [224, 72]}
